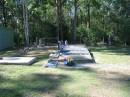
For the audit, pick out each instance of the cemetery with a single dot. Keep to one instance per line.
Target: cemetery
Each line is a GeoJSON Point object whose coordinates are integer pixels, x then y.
{"type": "Point", "coordinates": [64, 48]}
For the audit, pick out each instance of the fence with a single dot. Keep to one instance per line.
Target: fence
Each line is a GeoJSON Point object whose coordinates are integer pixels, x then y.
{"type": "Point", "coordinates": [6, 38]}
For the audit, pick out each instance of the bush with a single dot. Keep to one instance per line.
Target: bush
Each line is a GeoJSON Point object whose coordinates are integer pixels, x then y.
{"type": "Point", "coordinates": [87, 35]}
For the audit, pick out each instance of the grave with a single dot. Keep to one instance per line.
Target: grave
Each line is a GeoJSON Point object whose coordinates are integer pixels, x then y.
{"type": "Point", "coordinates": [77, 52]}
{"type": "Point", "coordinates": [72, 55]}
{"type": "Point", "coordinates": [18, 60]}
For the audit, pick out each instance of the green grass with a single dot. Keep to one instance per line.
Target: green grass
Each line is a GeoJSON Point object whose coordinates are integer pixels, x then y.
{"type": "Point", "coordinates": [37, 81]}
{"type": "Point", "coordinates": [8, 53]}
{"type": "Point", "coordinates": [111, 55]}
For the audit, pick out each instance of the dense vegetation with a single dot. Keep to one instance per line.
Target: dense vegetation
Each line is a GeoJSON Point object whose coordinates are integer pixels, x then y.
{"type": "Point", "coordinates": [89, 21]}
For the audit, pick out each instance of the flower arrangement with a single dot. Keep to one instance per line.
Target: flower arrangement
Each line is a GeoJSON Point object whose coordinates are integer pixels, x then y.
{"type": "Point", "coordinates": [70, 61]}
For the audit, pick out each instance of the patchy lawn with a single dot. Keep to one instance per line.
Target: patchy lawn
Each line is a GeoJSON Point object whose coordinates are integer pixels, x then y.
{"type": "Point", "coordinates": [37, 81]}
{"type": "Point", "coordinates": [111, 55]}
{"type": "Point", "coordinates": [8, 53]}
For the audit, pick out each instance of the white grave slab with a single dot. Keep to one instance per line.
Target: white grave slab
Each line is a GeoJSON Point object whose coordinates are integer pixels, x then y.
{"type": "Point", "coordinates": [18, 60]}
{"type": "Point", "coordinates": [77, 52]}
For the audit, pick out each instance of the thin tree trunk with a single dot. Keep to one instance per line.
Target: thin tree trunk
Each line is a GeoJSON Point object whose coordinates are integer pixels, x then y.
{"type": "Point", "coordinates": [58, 28]}
{"type": "Point", "coordinates": [89, 17]}
{"type": "Point", "coordinates": [109, 40]}
{"type": "Point", "coordinates": [60, 14]}
{"type": "Point", "coordinates": [25, 16]}
{"type": "Point", "coordinates": [75, 20]}
{"type": "Point", "coordinates": [4, 13]}
{"type": "Point", "coordinates": [59, 6]}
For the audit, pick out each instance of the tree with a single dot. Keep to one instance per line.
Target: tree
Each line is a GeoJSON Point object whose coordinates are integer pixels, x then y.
{"type": "Point", "coordinates": [26, 25]}
{"type": "Point", "coordinates": [75, 20]}
{"type": "Point", "coordinates": [92, 20]}
{"type": "Point", "coordinates": [59, 8]}
{"type": "Point", "coordinates": [3, 8]}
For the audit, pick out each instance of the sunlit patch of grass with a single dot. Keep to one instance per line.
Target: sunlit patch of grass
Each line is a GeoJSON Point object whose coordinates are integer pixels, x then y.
{"type": "Point", "coordinates": [37, 81]}
{"type": "Point", "coordinates": [111, 55]}
{"type": "Point", "coordinates": [8, 53]}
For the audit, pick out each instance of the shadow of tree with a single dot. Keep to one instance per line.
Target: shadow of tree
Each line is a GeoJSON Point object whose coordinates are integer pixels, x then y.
{"type": "Point", "coordinates": [108, 79]}
{"type": "Point", "coordinates": [68, 95]}
{"type": "Point", "coordinates": [119, 79]}
{"type": "Point", "coordinates": [2, 78]}
{"type": "Point", "coordinates": [117, 76]}
{"type": "Point", "coordinates": [86, 69]}
{"type": "Point", "coordinates": [6, 92]}
{"type": "Point", "coordinates": [42, 82]}
{"type": "Point", "coordinates": [39, 83]}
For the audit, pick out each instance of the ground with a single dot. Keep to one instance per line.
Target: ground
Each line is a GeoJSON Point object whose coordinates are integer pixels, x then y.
{"type": "Point", "coordinates": [110, 77]}
{"type": "Point", "coordinates": [111, 55]}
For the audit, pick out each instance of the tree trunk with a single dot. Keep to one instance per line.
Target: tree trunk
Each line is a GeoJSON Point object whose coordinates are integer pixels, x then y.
{"type": "Point", "coordinates": [109, 40]}
{"type": "Point", "coordinates": [4, 13]}
{"type": "Point", "coordinates": [75, 20]}
{"type": "Point", "coordinates": [59, 5]}
{"type": "Point", "coordinates": [89, 17]}
{"type": "Point", "coordinates": [25, 16]}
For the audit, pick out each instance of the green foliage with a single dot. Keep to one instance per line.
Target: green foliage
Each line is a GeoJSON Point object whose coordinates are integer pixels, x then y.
{"type": "Point", "coordinates": [97, 20]}
{"type": "Point", "coordinates": [87, 36]}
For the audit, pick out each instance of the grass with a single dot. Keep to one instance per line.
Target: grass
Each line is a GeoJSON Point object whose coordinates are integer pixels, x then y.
{"type": "Point", "coordinates": [37, 81]}
{"type": "Point", "coordinates": [7, 53]}
{"type": "Point", "coordinates": [111, 55]}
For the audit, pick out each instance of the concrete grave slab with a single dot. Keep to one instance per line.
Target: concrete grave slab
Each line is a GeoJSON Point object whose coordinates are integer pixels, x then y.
{"type": "Point", "coordinates": [18, 60]}
{"type": "Point", "coordinates": [77, 52]}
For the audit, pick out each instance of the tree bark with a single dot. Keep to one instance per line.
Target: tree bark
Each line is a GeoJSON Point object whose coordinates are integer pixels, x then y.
{"type": "Point", "coordinates": [89, 17]}
{"type": "Point", "coordinates": [4, 13]}
{"type": "Point", "coordinates": [75, 20]}
{"type": "Point", "coordinates": [59, 5]}
{"type": "Point", "coordinates": [25, 17]}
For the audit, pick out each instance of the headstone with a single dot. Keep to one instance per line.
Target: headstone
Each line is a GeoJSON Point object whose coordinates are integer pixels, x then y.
{"type": "Point", "coordinates": [66, 43]}
{"type": "Point", "coordinates": [40, 42]}
{"type": "Point", "coordinates": [36, 40]}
